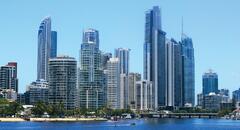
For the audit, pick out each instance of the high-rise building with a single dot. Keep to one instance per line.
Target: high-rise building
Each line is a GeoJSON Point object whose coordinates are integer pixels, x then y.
{"type": "Point", "coordinates": [44, 48]}
{"type": "Point", "coordinates": [174, 75]}
{"type": "Point", "coordinates": [53, 44]}
{"type": "Point", "coordinates": [144, 95]}
{"type": "Point", "coordinates": [92, 89]}
{"type": "Point", "coordinates": [8, 77]}
{"type": "Point", "coordinates": [188, 71]}
{"type": "Point", "coordinates": [47, 47]}
{"type": "Point", "coordinates": [210, 82]}
{"type": "Point", "coordinates": [38, 92]}
{"type": "Point", "coordinates": [63, 81]}
{"type": "Point", "coordinates": [178, 75]}
{"type": "Point", "coordinates": [113, 83]}
{"type": "Point", "coordinates": [154, 55]}
{"type": "Point", "coordinates": [123, 56]}
{"type": "Point", "coordinates": [132, 79]}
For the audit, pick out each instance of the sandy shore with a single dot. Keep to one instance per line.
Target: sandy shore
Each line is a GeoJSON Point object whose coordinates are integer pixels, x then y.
{"type": "Point", "coordinates": [66, 119]}
{"type": "Point", "coordinates": [11, 120]}
{"type": "Point", "coordinates": [52, 119]}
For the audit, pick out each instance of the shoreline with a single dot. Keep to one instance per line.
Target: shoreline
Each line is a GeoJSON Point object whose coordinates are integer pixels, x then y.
{"type": "Point", "coordinates": [73, 119]}
{"type": "Point", "coordinates": [12, 119]}
{"type": "Point", "coordinates": [51, 119]}
{"type": "Point", "coordinates": [66, 119]}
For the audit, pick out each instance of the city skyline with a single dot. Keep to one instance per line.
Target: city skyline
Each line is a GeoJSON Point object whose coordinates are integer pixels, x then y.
{"type": "Point", "coordinates": [30, 75]}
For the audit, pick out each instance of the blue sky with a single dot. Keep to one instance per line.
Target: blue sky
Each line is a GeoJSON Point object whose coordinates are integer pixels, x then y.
{"type": "Point", "coordinates": [213, 26]}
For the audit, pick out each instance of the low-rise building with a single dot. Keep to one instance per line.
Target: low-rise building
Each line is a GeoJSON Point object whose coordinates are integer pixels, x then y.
{"type": "Point", "coordinates": [8, 94]}
{"type": "Point", "coordinates": [38, 92]}
{"type": "Point", "coordinates": [212, 102]}
{"type": "Point", "coordinates": [216, 102]}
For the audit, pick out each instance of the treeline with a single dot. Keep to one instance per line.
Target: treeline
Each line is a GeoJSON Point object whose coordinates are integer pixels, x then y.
{"type": "Point", "coordinates": [40, 109]}
{"type": "Point", "coordinates": [9, 109]}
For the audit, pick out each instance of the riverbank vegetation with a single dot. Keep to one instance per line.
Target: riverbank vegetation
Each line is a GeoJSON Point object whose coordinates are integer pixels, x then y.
{"type": "Point", "coordinates": [40, 109]}
{"type": "Point", "coordinates": [9, 109]}
{"type": "Point", "coordinates": [58, 110]}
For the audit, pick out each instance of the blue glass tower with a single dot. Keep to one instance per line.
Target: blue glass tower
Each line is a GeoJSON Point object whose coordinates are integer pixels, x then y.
{"type": "Point", "coordinates": [154, 55]}
{"type": "Point", "coordinates": [188, 71]}
{"type": "Point", "coordinates": [210, 82]}
{"type": "Point", "coordinates": [44, 48]}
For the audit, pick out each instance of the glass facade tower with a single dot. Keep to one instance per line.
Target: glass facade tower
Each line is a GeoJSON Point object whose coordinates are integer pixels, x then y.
{"type": "Point", "coordinates": [47, 48]}
{"type": "Point", "coordinates": [92, 88]}
{"type": "Point", "coordinates": [44, 48]}
{"type": "Point", "coordinates": [154, 55]}
{"type": "Point", "coordinates": [189, 70]}
{"type": "Point", "coordinates": [210, 82]}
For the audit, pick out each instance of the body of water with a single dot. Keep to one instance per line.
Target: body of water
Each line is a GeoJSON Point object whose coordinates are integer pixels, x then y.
{"type": "Point", "coordinates": [141, 124]}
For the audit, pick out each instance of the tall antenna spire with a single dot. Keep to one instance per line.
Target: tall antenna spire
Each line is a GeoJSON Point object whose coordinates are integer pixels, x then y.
{"type": "Point", "coordinates": [182, 25]}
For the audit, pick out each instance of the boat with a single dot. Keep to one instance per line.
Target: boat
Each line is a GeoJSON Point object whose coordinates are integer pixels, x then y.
{"type": "Point", "coordinates": [133, 124]}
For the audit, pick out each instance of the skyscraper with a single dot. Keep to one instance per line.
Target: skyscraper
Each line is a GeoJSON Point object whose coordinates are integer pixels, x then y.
{"type": "Point", "coordinates": [44, 48]}
{"type": "Point", "coordinates": [91, 77]}
{"type": "Point", "coordinates": [53, 44]}
{"type": "Point", "coordinates": [47, 47]}
{"type": "Point", "coordinates": [178, 75]}
{"type": "Point", "coordinates": [210, 82]}
{"type": "Point", "coordinates": [8, 77]}
{"type": "Point", "coordinates": [154, 55]}
{"type": "Point", "coordinates": [63, 81]}
{"type": "Point", "coordinates": [123, 56]}
{"type": "Point", "coordinates": [188, 70]}
{"type": "Point", "coordinates": [113, 83]}
{"type": "Point", "coordinates": [174, 75]}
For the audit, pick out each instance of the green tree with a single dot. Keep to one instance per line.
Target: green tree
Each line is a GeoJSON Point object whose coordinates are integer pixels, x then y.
{"type": "Point", "coordinates": [224, 112]}
{"type": "Point", "coordinates": [13, 108]}
{"type": "Point", "coordinates": [56, 110]}
{"type": "Point", "coordinates": [39, 109]}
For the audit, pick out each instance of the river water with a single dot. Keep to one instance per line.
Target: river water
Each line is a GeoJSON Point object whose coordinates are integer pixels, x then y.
{"type": "Point", "coordinates": [141, 124]}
